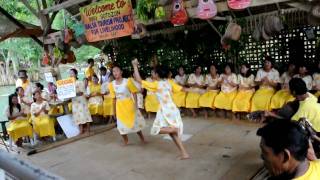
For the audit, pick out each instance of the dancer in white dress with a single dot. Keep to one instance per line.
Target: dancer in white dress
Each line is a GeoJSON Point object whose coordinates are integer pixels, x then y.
{"type": "Point", "coordinates": [168, 119]}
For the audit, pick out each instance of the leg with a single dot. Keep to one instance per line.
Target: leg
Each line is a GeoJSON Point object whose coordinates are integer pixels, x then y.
{"type": "Point", "coordinates": [88, 127]}
{"type": "Point", "coordinates": [194, 114]}
{"type": "Point", "coordinates": [168, 130]}
{"type": "Point", "coordinates": [205, 113]}
{"type": "Point", "coordinates": [125, 139]}
{"type": "Point", "coordinates": [177, 140]}
{"type": "Point", "coordinates": [141, 137]}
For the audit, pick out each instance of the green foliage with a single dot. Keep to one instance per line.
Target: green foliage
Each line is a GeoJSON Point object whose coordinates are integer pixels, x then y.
{"type": "Point", "coordinates": [85, 52]}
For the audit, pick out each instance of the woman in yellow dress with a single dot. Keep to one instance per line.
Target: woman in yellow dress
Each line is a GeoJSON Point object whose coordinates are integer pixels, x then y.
{"type": "Point", "coordinates": [179, 98]}
{"type": "Point", "coordinates": [44, 94]}
{"type": "Point", "coordinates": [129, 118]}
{"type": "Point", "coordinates": [228, 82]}
{"type": "Point", "coordinates": [196, 84]}
{"type": "Point", "coordinates": [267, 78]}
{"type": "Point", "coordinates": [242, 103]}
{"type": "Point", "coordinates": [304, 75]}
{"type": "Point", "coordinates": [168, 119]}
{"type": "Point", "coordinates": [80, 111]}
{"type": "Point", "coordinates": [316, 81]}
{"type": "Point", "coordinates": [43, 125]}
{"type": "Point", "coordinates": [206, 100]}
{"type": "Point", "coordinates": [24, 101]}
{"type": "Point", "coordinates": [151, 103]}
{"type": "Point", "coordinates": [19, 125]}
{"type": "Point", "coordinates": [283, 96]}
{"type": "Point", "coordinates": [95, 101]}
{"type": "Point", "coordinates": [105, 79]}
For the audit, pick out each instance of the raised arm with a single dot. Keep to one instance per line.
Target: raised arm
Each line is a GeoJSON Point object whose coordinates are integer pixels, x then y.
{"type": "Point", "coordinates": [135, 64]}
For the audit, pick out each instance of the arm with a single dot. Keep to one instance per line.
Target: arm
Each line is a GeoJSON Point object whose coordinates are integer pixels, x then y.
{"type": "Point", "coordinates": [135, 64]}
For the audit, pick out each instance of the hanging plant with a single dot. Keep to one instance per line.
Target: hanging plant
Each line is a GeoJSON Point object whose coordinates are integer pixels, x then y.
{"type": "Point", "coordinates": [146, 9]}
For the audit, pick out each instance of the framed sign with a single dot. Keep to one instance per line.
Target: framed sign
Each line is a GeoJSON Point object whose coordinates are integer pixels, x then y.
{"type": "Point", "coordinates": [66, 88]}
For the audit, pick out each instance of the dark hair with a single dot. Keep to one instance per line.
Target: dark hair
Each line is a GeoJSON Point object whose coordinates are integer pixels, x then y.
{"type": "Point", "coordinates": [11, 106]}
{"type": "Point", "coordinates": [196, 67]}
{"type": "Point", "coordinates": [285, 134]}
{"type": "Point", "coordinates": [162, 71]}
{"type": "Point", "coordinates": [75, 72]}
{"type": "Point", "coordinates": [270, 59]}
{"type": "Point", "coordinates": [95, 76]}
{"type": "Point", "coordinates": [231, 67]}
{"type": "Point", "coordinates": [102, 68]}
{"type": "Point", "coordinates": [249, 72]}
{"type": "Point", "coordinates": [34, 95]}
{"type": "Point", "coordinates": [116, 66]}
{"type": "Point", "coordinates": [17, 89]}
{"type": "Point", "coordinates": [298, 86]}
{"type": "Point", "coordinates": [39, 85]}
{"type": "Point", "coordinates": [22, 71]}
{"type": "Point", "coordinates": [90, 61]}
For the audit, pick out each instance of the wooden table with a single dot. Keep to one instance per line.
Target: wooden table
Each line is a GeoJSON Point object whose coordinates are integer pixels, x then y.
{"type": "Point", "coordinates": [61, 103]}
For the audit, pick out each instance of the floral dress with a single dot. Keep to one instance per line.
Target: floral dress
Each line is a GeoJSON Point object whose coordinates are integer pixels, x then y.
{"type": "Point", "coordinates": [129, 118]}
{"type": "Point", "coordinates": [80, 111]}
{"type": "Point", "coordinates": [168, 114]}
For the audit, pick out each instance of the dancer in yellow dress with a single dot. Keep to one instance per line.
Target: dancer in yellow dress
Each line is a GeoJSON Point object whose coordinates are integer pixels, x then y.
{"type": "Point", "coordinates": [304, 75]}
{"type": "Point", "coordinates": [283, 96]}
{"type": "Point", "coordinates": [105, 79]}
{"type": "Point", "coordinates": [129, 118]}
{"type": "Point", "coordinates": [19, 125]}
{"type": "Point", "coordinates": [197, 85]}
{"type": "Point", "coordinates": [151, 103]}
{"type": "Point", "coordinates": [242, 103]}
{"type": "Point", "coordinates": [267, 78]}
{"type": "Point", "coordinates": [206, 100]}
{"type": "Point", "coordinates": [43, 125]}
{"type": "Point", "coordinates": [89, 72]}
{"type": "Point", "coordinates": [80, 111]}
{"type": "Point", "coordinates": [168, 119]}
{"type": "Point", "coordinates": [316, 81]}
{"type": "Point", "coordinates": [95, 101]}
{"type": "Point", "coordinates": [229, 83]}
{"type": "Point", "coordinates": [179, 98]}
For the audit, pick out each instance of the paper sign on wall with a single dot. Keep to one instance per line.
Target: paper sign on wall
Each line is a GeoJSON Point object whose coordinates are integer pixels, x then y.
{"type": "Point", "coordinates": [49, 77]}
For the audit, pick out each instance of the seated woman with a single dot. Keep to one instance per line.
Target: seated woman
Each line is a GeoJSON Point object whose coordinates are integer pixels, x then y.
{"type": "Point", "coordinates": [283, 96]}
{"type": "Point", "coordinates": [19, 124]}
{"type": "Point", "coordinates": [196, 84]}
{"type": "Point", "coordinates": [179, 98]}
{"type": "Point", "coordinates": [95, 101]}
{"type": "Point", "coordinates": [206, 100]}
{"type": "Point", "coordinates": [24, 101]}
{"type": "Point", "coordinates": [304, 75]}
{"type": "Point", "coordinates": [316, 81]}
{"type": "Point", "coordinates": [44, 94]}
{"type": "Point", "coordinates": [242, 102]}
{"type": "Point", "coordinates": [267, 78]}
{"type": "Point", "coordinates": [229, 83]}
{"type": "Point", "coordinates": [43, 125]}
{"type": "Point", "coordinates": [151, 102]}
{"type": "Point", "coordinates": [53, 97]}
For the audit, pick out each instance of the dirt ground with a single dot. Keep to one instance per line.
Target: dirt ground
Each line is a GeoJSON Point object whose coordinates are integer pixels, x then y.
{"type": "Point", "coordinates": [220, 149]}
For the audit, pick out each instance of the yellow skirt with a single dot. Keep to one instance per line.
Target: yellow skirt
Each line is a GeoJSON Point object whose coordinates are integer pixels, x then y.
{"type": "Point", "coordinates": [19, 128]}
{"type": "Point", "coordinates": [242, 102]}
{"type": "Point", "coordinates": [108, 109]}
{"type": "Point", "coordinates": [261, 99]}
{"type": "Point", "coordinates": [56, 110]}
{"type": "Point", "coordinates": [151, 103]}
{"type": "Point", "coordinates": [70, 107]}
{"type": "Point", "coordinates": [95, 109]}
{"type": "Point", "coordinates": [192, 100]}
{"type": "Point", "coordinates": [225, 100]}
{"type": "Point", "coordinates": [280, 98]}
{"type": "Point", "coordinates": [179, 98]}
{"type": "Point", "coordinates": [317, 94]}
{"type": "Point", "coordinates": [207, 99]}
{"type": "Point", "coordinates": [44, 126]}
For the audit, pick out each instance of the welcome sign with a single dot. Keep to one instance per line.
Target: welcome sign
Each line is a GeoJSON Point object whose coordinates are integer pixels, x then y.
{"type": "Point", "coordinates": [107, 19]}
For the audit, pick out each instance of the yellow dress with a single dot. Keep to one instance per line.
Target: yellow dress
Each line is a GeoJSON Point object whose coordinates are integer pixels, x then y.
{"type": "Point", "coordinates": [108, 109]}
{"type": "Point", "coordinates": [224, 99]}
{"type": "Point", "coordinates": [27, 87]}
{"type": "Point", "coordinates": [25, 108]}
{"type": "Point", "coordinates": [179, 97]}
{"type": "Point", "coordinates": [316, 83]}
{"type": "Point", "coordinates": [89, 72]}
{"type": "Point", "coordinates": [313, 172]}
{"type": "Point", "coordinates": [129, 118]}
{"type": "Point", "coordinates": [310, 109]}
{"type": "Point", "coordinates": [151, 103]}
{"type": "Point", "coordinates": [192, 99]}
{"type": "Point", "coordinates": [242, 102]}
{"type": "Point", "coordinates": [262, 98]}
{"type": "Point", "coordinates": [43, 125]}
{"type": "Point", "coordinates": [207, 99]}
{"type": "Point", "coordinates": [95, 104]}
{"type": "Point", "coordinates": [283, 96]}
{"type": "Point", "coordinates": [19, 127]}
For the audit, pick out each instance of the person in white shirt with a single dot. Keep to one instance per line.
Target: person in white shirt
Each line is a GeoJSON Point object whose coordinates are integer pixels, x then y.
{"type": "Point", "coordinates": [304, 75]}
{"type": "Point", "coordinates": [179, 98]}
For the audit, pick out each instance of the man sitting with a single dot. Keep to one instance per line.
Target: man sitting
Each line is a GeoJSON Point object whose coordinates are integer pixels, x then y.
{"type": "Point", "coordinates": [284, 146]}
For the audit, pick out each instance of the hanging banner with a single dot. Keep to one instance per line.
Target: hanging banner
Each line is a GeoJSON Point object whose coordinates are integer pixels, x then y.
{"type": "Point", "coordinates": [107, 19]}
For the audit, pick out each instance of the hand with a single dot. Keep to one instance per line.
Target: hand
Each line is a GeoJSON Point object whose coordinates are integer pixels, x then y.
{"type": "Point", "coordinates": [135, 62]}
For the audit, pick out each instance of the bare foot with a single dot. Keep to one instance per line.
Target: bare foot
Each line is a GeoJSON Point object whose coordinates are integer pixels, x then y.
{"type": "Point", "coordinates": [184, 157]}
{"type": "Point", "coordinates": [144, 142]}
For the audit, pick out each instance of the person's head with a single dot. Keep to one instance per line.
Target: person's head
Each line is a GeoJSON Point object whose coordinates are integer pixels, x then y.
{"type": "Point", "coordinates": [198, 70]}
{"type": "Point", "coordinates": [37, 96]}
{"type": "Point", "coordinates": [20, 91]}
{"type": "Point", "coordinates": [95, 79]}
{"type": "Point", "coordinates": [228, 69]}
{"type": "Point", "coordinates": [161, 72]}
{"type": "Point", "coordinates": [284, 144]}
{"type": "Point", "coordinates": [22, 74]}
{"type": "Point", "coordinates": [291, 68]}
{"type": "Point", "coordinates": [39, 86]}
{"type": "Point", "coordinates": [298, 88]}
{"type": "Point", "coordinates": [213, 70]}
{"type": "Point", "coordinates": [268, 63]}
{"type": "Point", "coordinates": [303, 70]}
{"type": "Point", "coordinates": [13, 102]}
{"type": "Point", "coordinates": [181, 71]}
{"type": "Point", "coordinates": [170, 74]}
{"type": "Point", "coordinates": [73, 73]}
{"type": "Point", "coordinates": [117, 72]}
{"type": "Point", "coordinates": [103, 70]}
{"type": "Point", "coordinates": [90, 62]}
